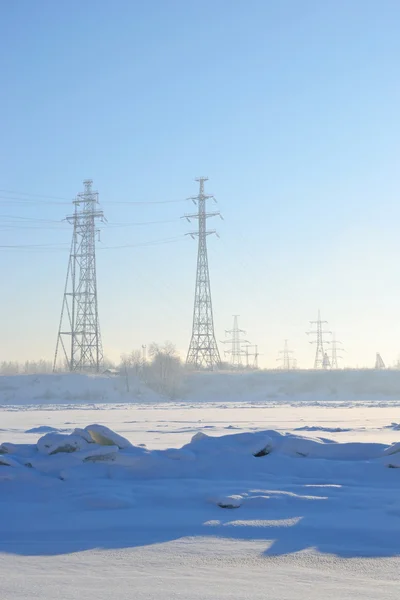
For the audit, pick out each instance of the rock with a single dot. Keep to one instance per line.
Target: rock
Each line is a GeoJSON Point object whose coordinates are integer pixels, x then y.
{"type": "Point", "coordinates": [107, 437]}
{"type": "Point", "coordinates": [84, 434]}
{"type": "Point", "coordinates": [230, 501]}
{"type": "Point", "coordinates": [24, 450]}
{"type": "Point", "coordinates": [53, 443]}
{"type": "Point", "coordinates": [7, 461]}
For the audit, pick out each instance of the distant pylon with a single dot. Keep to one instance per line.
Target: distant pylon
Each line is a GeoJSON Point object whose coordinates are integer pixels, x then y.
{"type": "Point", "coordinates": [255, 354]}
{"type": "Point", "coordinates": [287, 359]}
{"type": "Point", "coordinates": [236, 352]}
{"type": "Point", "coordinates": [379, 364]}
{"type": "Point", "coordinates": [203, 350]}
{"type": "Point", "coordinates": [334, 354]}
{"type": "Point", "coordinates": [79, 330]}
{"type": "Point", "coordinates": [326, 363]}
{"type": "Point", "coordinates": [319, 362]}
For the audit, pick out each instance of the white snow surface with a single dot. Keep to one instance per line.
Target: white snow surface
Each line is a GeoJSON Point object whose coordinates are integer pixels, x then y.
{"type": "Point", "coordinates": [168, 500]}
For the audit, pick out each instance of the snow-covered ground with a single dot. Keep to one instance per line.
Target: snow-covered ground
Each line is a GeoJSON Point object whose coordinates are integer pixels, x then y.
{"type": "Point", "coordinates": [316, 515]}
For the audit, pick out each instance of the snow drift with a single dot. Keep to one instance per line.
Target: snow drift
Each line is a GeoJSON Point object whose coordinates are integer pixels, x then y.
{"type": "Point", "coordinates": [91, 487]}
{"type": "Point", "coordinates": [66, 456]}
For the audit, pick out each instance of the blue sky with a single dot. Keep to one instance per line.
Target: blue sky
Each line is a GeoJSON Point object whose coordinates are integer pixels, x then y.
{"type": "Point", "coordinates": [290, 108]}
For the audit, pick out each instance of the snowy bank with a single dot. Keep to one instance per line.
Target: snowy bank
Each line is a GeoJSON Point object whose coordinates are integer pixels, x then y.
{"type": "Point", "coordinates": [269, 387]}
{"type": "Point", "coordinates": [72, 388]}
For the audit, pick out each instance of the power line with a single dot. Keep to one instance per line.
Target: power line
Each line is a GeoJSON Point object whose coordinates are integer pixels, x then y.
{"type": "Point", "coordinates": [33, 245]}
{"type": "Point", "coordinates": [33, 195]}
{"type": "Point", "coordinates": [143, 202]}
{"type": "Point", "coordinates": [35, 223]}
{"type": "Point", "coordinates": [61, 246]}
{"type": "Point", "coordinates": [18, 197]}
{"type": "Point", "coordinates": [151, 243]}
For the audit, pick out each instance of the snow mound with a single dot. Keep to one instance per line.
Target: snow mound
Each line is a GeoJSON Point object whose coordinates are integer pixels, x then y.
{"type": "Point", "coordinates": [44, 429]}
{"type": "Point", "coordinates": [395, 426]}
{"type": "Point", "coordinates": [98, 452]}
{"type": "Point", "coordinates": [258, 444]}
{"type": "Point", "coordinates": [262, 443]}
{"type": "Point", "coordinates": [318, 428]}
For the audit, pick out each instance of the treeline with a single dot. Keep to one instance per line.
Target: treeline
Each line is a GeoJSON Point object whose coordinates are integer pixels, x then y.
{"type": "Point", "coordinates": [162, 371]}
{"type": "Point", "coordinates": [30, 367]}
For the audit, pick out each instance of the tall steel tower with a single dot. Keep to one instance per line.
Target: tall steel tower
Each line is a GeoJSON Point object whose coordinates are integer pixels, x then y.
{"type": "Point", "coordinates": [79, 331]}
{"type": "Point", "coordinates": [379, 364]}
{"type": "Point", "coordinates": [334, 352]}
{"type": "Point", "coordinates": [236, 353]}
{"type": "Point", "coordinates": [203, 349]}
{"type": "Point", "coordinates": [255, 354]}
{"type": "Point", "coordinates": [320, 361]}
{"type": "Point", "coordinates": [287, 358]}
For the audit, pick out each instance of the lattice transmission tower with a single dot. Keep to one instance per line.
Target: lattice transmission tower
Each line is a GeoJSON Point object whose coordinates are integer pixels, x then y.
{"type": "Point", "coordinates": [236, 352]}
{"type": "Point", "coordinates": [379, 364]}
{"type": "Point", "coordinates": [79, 343]}
{"type": "Point", "coordinates": [287, 359]}
{"type": "Point", "coordinates": [320, 361]}
{"type": "Point", "coordinates": [203, 350]}
{"type": "Point", "coordinates": [335, 357]}
{"type": "Point", "coordinates": [255, 354]}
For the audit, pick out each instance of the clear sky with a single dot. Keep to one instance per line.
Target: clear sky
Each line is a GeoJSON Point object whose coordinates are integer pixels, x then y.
{"type": "Point", "coordinates": [290, 107]}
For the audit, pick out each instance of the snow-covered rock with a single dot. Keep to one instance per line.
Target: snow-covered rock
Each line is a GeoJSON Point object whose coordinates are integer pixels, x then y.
{"type": "Point", "coordinates": [257, 444]}
{"type": "Point", "coordinates": [8, 461]}
{"type": "Point", "coordinates": [98, 453]}
{"type": "Point", "coordinates": [107, 437]}
{"type": "Point", "coordinates": [393, 449]}
{"type": "Point", "coordinates": [241, 454]}
{"type": "Point", "coordinates": [84, 434]}
{"type": "Point", "coordinates": [24, 450]}
{"type": "Point", "coordinates": [234, 501]}
{"type": "Point", "coordinates": [53, 443]}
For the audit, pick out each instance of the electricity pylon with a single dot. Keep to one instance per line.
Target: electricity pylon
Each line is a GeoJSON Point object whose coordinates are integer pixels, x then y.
{"type": "Point", "coordinates": [203, 350]}
{"type": "Point", "coordinates": [334, 354]}
{"type": "Point", "coordinates": [320, 361]}
{"type": "Point", "coordinates": [236, 353]}
{"type": "Point", "coordinates": [79, 330]}
{"type": "Point", "coordinates": [255, 354]}
{"type": "Point", "coordinates": [287, 359]}
{"type": "Point", "coordinates": [326, 363]}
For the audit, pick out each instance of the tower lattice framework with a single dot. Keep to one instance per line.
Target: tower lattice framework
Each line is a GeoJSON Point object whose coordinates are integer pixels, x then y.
{"type": "Point", "coordinates": [79, 343]}
{"type": "Point", "coordinates": [203, 350]}
{"type": "Point", "coordinates": [335, 356]}
{"type": "Point", "coordinates": [320, 361]}
{"type": "Point", "coordinates": [287, 357]}
{"type": "Point", "coordinates": [236, 352]}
